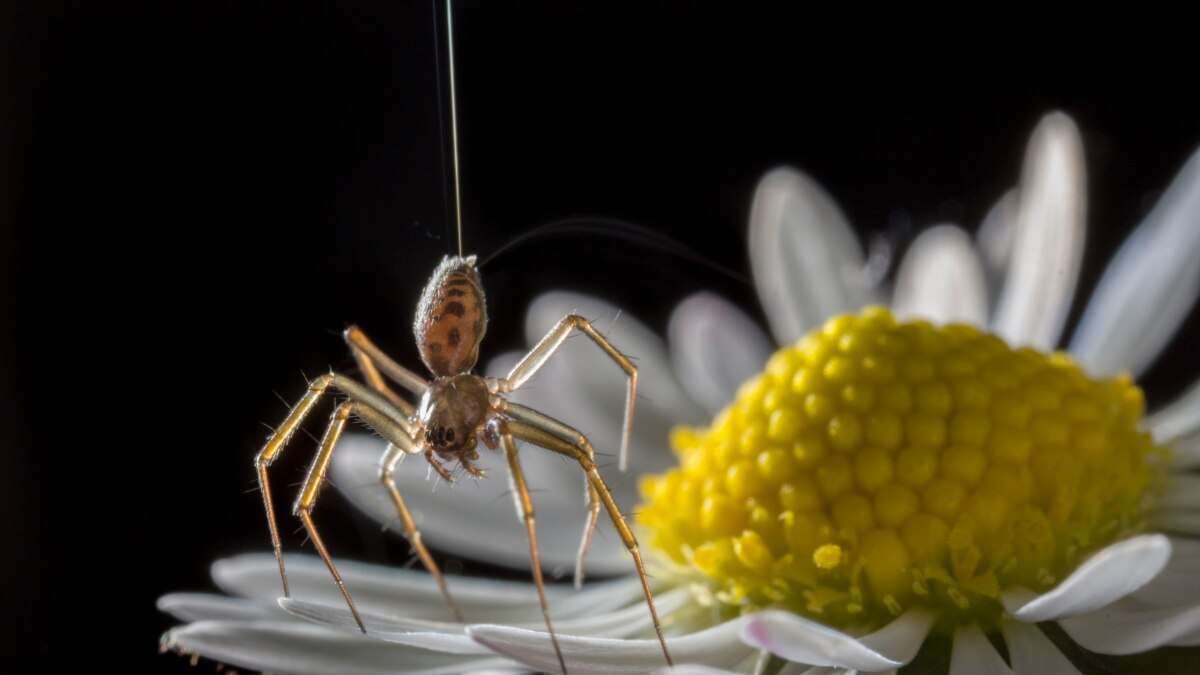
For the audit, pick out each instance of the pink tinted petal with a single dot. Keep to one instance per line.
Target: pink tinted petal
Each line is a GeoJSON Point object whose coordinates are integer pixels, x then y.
{"type": "Point", "coordinates": [806, 259]}
{"type": "Point", "coordinates": [795, 638]}
{"type": "Point", "coordinates": [1128, 627]}
{"type": "Point", "coordinates": [941, 279]}
{"type": "Point", "coordinates": [1048, 243]}
{"type": "Point", "coordinates": [972, 654]}
{"type": "Point", "coordinates": [1109, 574]}
{"type": "Point", "coordinates": [1032, 653]}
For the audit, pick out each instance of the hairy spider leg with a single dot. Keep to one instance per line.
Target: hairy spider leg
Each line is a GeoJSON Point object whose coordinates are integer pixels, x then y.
{"type": "Point", "coordinates": [525, 512]}
{"type": "Point", "coordinates": [373, 409]}
{"type": "Point", "coordinates": [531, 362]}
{"type": "Point", "coordinates": [544, 431]}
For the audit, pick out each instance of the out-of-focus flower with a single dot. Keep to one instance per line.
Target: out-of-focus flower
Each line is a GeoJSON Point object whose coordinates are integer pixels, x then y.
{"type": "Point", "coordinates": [881, 481]}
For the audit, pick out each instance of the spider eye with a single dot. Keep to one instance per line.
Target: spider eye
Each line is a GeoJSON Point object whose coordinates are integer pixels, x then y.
{"type": "Point", "coordinates": [449, 434]}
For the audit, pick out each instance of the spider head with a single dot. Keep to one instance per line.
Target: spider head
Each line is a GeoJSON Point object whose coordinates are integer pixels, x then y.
{"type": "Point", "coordinates": [452, 412]}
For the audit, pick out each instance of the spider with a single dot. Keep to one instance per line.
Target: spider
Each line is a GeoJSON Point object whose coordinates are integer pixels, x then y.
{"type": "Point", "coordinates": [457, 409]}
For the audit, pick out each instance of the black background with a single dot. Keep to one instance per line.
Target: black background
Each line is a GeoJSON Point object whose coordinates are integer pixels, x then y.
{"type": "Point", "coordinates": [198, 196]}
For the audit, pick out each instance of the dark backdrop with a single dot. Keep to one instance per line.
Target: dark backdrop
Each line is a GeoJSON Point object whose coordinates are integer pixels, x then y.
{"type": "Point", "coordinates": [198, 196]}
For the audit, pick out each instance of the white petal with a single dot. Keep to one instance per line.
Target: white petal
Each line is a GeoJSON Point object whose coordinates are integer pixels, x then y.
{"type": "Point", "coordinates": [1183, 492]}
{"type": "Point", "coordinates": [995, 242]}
{"type": "Point", "coordinates": [972, 654]}
{"type": "Point", "coordinates": [387, 591]}
{"type": "Point", "coordinates": [1128, 626]}
{"type": "Point", "coordinates": [1111, 573]}
{"type": "Point", "coordinates": [714, 348]}
{"type": "Point", "coordinates": [941, 279]}
{"type": "Point", "coordinates": [1185, 452]}
{"type": "Point", "coordinates": [207, 606]}
{"type": "Point", "coordinates": [1179, 583]}
{"type": "Point", "coordinates": [476, 518]}
{"type": "Point", "coordinates": [439, 636]}
{"type": "Point", "coordinates": [901, 639]}
{"type": "Point", "coordinates": [1048, 244]}
{"type": "Point", "coordinates": [304, 649]}
{"type": "Point", "coordinates": [798, 639]}
{"type": "Point", "coordinates": [718, 647]}
{"type": "Point", "coordinates": [1032, 653]}
{"type": "Point", "coordinates": [806, 259]}
{"type": "Point", "coordinates": [693, 669]}
{"type": "Point", "coordinates": [1149, 287]}
{"type": "Point", "coordinates": [581, 615]}
{"type": "Point", "coordinates": [1180, 417]}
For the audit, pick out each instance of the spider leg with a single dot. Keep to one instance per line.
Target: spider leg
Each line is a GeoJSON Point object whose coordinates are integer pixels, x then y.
{"type": "Point", "coordinates": [542, 430]}
{"type": "Point", "coordinates": [541, 352]}
{"type": "Point", "coordinates": [525, 511]}
{"type": "Point", "coordinates": [371, 407]}
{"type": "Point", "coordinates": [386, 471]}
{"type": "Point", "coordinates": [371, 359]}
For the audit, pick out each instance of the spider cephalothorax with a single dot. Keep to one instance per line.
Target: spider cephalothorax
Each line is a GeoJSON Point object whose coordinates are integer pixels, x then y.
{"type": "Point", "coordinates": [452, 411]}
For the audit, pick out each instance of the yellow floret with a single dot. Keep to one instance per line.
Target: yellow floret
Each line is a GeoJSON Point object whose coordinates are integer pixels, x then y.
{"type": "Point", "coordinates": [876, 465]}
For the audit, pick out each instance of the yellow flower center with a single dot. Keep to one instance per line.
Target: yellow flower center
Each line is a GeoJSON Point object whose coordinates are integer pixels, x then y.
{"type": "Point", "coordinates": [878, 465]}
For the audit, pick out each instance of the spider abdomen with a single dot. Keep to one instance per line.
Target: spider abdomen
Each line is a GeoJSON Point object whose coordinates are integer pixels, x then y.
{"type": "Point", "coordinates": [451, 317]}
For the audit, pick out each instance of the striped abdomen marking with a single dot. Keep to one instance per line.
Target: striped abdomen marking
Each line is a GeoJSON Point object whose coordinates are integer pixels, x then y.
{"type": "Point", "coordinates": [451, 317]}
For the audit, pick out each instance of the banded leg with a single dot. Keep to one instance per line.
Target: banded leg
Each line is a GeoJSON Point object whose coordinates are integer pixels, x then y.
{"type": "Point", "coordinates": [371, 359]}
{"type": "Point", "coordinates": [386, 471]}
{"type": "Point", "coordinates": [542, 430]}
{"type": "Point", "coordinates": [387, 424]}
{"type": "Point", "coordinates": [525, 511]}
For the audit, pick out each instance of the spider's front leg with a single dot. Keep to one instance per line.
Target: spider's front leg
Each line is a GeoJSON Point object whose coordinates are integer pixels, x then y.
{"type": "Point", "coordinates": [535, 359]}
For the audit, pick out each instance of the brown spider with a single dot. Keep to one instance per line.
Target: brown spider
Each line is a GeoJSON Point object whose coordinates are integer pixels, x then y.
{"type": "Point", "coordinates": [457, 409]}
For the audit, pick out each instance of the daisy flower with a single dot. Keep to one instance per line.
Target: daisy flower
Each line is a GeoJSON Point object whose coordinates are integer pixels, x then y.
{"type": "Point", "coordinates": [894, 474]}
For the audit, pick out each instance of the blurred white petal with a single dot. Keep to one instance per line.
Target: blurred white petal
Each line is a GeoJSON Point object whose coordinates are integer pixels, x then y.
{"type": "Point", "coordinates": [1179, 582]}
{"type": "Point", "coordinates": [805, 257]}
{"type": "Point", "coordinates": [1048, 241]}
{"type": "Point", "coordinates": [1179, 418]}
{"type": "Point", "coordinates": [1128, 627]}
{"type": "Point", "coordinates": [1149, 287]}
{"type": "Point", "coordinates": [1109, 574]}
{"type": "Point", "coordinates": [972, 654]}
{"type": "Point", "coordinates": [1177, 522]}
{"type": "Point", "coordinates": [595, 374]}
{"type": "Point", "coordinates": [941, 280]}
{"type": "Point", "coordinates": [995, 242]}
{"type": "Point", "coordinates": [438, 636]}
{"type": "Point", "coordinates": [714, 348]}
{"type": "Point", "coordinates": [1183, 492]}
{"type": "Point", "coordinates": [795, 638]}
{"type": "Point", "coordinates": [1032, 653]}
{"type": "Point", "coordinates": [717, 647]}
